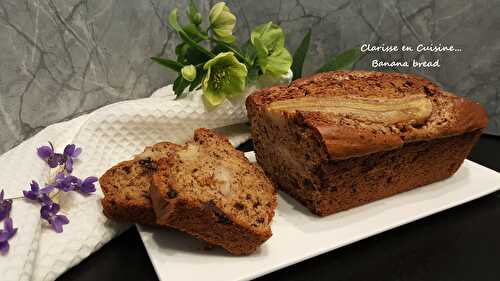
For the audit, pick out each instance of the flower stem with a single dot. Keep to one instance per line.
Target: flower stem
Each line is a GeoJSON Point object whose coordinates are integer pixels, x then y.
{"type": "Point", "coordinates": [236, 52]}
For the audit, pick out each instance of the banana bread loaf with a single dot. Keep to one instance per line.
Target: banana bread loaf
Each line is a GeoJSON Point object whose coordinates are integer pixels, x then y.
{"type": "Point", "coordinates": [126, 186]}
{"type": "Point", "coordinates": [211, 191]}
{"type": "Point", "coordinates": [338, 140]}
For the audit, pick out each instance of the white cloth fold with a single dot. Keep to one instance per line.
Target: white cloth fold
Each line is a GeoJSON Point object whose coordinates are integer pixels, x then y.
{"type": "Point", "coordinates": [108, 135]}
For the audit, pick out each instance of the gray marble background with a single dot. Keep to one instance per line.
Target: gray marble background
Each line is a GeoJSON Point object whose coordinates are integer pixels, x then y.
{"type": "Point", "coordinates": [63, 58]}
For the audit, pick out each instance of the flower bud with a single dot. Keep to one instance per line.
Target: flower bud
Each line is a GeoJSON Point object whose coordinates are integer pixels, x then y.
{"type": "Point", "coordinates": [196, 18]}
{"type": "Point", "coordinates": [193, 13]}
{"type": "Point", "coordinates": [188, 72]}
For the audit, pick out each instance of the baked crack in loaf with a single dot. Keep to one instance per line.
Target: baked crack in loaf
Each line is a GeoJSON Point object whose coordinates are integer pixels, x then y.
{"type": "Point", "coordinates": [338, 140]}
{"type": "Point", "coordinates": [126, 186]}
{"type": "Point", "coordinates": [211, 191]}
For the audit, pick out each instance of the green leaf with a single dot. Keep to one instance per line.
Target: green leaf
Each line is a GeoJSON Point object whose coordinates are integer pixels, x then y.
{"type": "Point", "coordinates": [181, 51]}
{"type": "Point", "coordinates": [174, 23]}
{"type": "Point", "coordinates": [195, 45]}
{"type": "Point", "coordinates": [175, 66]}
{"type": "Point", "coordinates": [194, 32]}
{"type": "Point", "coordinates": [194, 56]}
{"type": "Point", "coordinates": [172, 20]}
{"type": "Point", "coordinates": [253, 74]}
{"type": "Point", "coordinates": [226, 47]}
{"type": "Point", "coordinates": [300, 56]}
{"type": "Point", "coordinates": [193, 13]}
{"type": "Point", "coordinates": [342, 61]}
{"type": "Point", "coordinates": [180, 85]}
{"type": "Point", "coordinates": [248, 50]}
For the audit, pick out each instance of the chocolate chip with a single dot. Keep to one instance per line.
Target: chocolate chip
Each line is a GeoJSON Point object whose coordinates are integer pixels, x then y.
{"type": "Point", "coordinates": [307, 183]}
{"type": "Point", "coordinates": [428, 92]}
{"type": "Point", "coordinates": [218, 213]}
{"type": "Point", "coordinates": [172, 193]}
{"type": "Point", "coordinates": [223, 219]}
{"type": "Point", "coordinates": [126, 169]}
{"type": "Point", "coordinates": [148, 164]}
{"type": "Point", "coordinates": [408, 84]}
{"type": "Point", "coordinates": [256, 204]}
{"type": "Point", "coordinates": [239, 206]}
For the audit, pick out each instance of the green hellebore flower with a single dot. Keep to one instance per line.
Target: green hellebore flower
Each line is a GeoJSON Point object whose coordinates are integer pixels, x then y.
{"type": "Point", "coordinates": [222, 22]}
{"type": "Point", "coordinates": [269, 42]}
{"type": "Point", "coordinates": [188, 72]}
{"type": "Point", "coordinates": [225, 77]}
{"type": "Point", "coordinates": [271, 35]}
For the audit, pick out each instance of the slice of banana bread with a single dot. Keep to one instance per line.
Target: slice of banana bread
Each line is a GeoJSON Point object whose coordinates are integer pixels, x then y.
{"type": "Point", "coordinates": [211, 191]}
{"type": "Point", "coordinates": [338, 140]}
{"type": "Point", "coordinates": [126, 186]}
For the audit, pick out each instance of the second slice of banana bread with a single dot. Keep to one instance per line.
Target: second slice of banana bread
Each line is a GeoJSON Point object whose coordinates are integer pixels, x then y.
{"type": "Point", "coordinates": [126, 186]}
{"type": "Point", "coordinates": [211, 191]}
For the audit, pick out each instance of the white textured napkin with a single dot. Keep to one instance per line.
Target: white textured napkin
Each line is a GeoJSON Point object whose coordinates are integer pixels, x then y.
{"type": "Point", "coordinates": [107, 136]}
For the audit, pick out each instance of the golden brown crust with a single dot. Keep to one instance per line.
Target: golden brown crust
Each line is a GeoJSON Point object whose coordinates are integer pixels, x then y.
{"type": "Point", "coordinates": [120, 208]}
{"type": "Point", "coordinates": [356, 149]}
{"type": "Point", "coordinates": [344, 135]}
{"type": "Point", "coordinates": [206, 222]}
{"type": "Point", "coordinates": [126, 186]}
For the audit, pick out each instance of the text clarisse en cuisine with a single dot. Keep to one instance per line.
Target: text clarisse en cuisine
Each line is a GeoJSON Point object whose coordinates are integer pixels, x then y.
{"type": "Point", "coordinates": [420, 48]}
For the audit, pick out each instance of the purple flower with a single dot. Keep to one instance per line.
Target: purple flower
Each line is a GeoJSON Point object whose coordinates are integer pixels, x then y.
{"type": "Point", "coordinates": [49, 213]}
{"type": "Point", "coordinates": [6, 233]}
{"type": "Point", "coordinates": [5, 206]}
{"type": "Point", "coordinates": [48, 155]}
{"type": "Point", "coordinates": [63, 181]}
{"type": "Point", "coordinates": [70, 152]}
{"type": "Point", "coordinates": [37, 194]}
{"type": "Point", "coordinates": [87, 185]}
{"type": "Point", "coordinates": [69, 183]}
{"type": "Point", "coordinates": [46, 200]}
{"type": "Point", "coordinates": [54, 159]}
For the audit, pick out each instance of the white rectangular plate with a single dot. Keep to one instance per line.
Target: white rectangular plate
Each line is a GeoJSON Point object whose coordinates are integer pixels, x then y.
{"type": "Point", "coordinates": [299, 235]}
